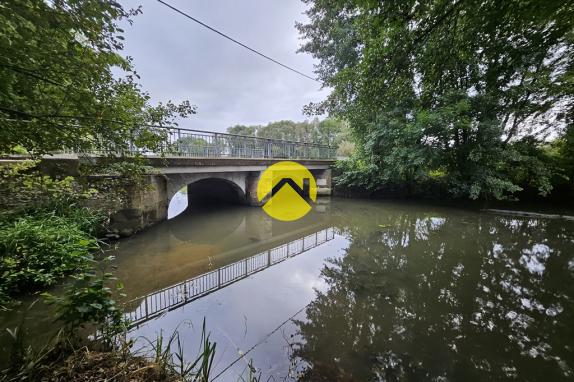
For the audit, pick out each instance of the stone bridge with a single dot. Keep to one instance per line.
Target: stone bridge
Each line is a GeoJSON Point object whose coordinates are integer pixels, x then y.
{"type": "Point", "coordinates": [214, 166]}
{"type": "Point", "coordinates": [231, 180]}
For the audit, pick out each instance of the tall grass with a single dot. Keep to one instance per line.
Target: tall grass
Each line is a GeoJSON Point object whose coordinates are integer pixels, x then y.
{"type": "Point", "coordinates": [169, 357]}
{"type": "Point", "coordinates": [163, 360]}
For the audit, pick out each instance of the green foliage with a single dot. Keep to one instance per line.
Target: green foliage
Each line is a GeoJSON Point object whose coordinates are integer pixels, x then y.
{"type": "Point", "coordinates": [25, 362]}
{"type": "Point", "coordinates": [89, 300]}
{"type": "Point", "coordinates": [44, 233]}
{"type": "Point", "coordinates": [23, 186]}
{"type": "Point", "coordinates": [36, 251]}
{"type": "Point", "coordinates": [562, 153]}
{"type": "Point", "coordinates": [357, 173]}
{"type": "Point", "coordinates": [64, 84]}
{"type": "Point", "coordinates": [60, 360]}
{"type": "Point", "coordinates": [169, 358]}
{"type": "Point", "coordinates": [193, 146]}
{"type": "Point", "coordinates": [131, 171]}
{"type": "Point", "coordinates": [243, 130]}
{"type": "Point", "coordinates": [470, 88]}
{"type": "Point", "coordinates": [327, 132]}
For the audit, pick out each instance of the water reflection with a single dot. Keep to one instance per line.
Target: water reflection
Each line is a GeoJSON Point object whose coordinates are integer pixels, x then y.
{"type": "Point", "coordinates": [402, 292]}
{"type": "Point", "coordinates": [443, 297]}
{"type": "Point", "coordinates": [178, 203]}
{"type": "Point", "coordinates": [202, 240]}
{"type": "Point", "coordinates": [180, 294]}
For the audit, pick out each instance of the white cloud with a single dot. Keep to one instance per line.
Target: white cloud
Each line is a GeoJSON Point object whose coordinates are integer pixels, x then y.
{"type": "Point", "coordinates": [178, 59]}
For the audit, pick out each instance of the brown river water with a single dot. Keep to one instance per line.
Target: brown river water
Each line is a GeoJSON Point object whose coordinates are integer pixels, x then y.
{"type": "Point", "coordinates": [358, 290]}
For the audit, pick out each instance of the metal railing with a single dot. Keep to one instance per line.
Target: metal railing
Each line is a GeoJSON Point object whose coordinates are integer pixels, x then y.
{"type": "Point", "coordinates": [172, 297]}
{"type": "Point", "coordinates": [206, 144]}
{"type": "Point", "coordinates": [180, 142]}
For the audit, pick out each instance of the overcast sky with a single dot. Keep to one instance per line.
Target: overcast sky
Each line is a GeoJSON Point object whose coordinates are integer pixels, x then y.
{"type": "Point", "coordinates": [178, 59]}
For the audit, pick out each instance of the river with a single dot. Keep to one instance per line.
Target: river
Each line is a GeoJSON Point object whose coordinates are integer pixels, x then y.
{"type": "Point", "coordinates": [359, 290]}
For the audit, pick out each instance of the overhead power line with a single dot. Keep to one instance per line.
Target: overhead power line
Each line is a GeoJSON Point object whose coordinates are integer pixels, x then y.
{"type": "Point", "coordinates": [235, 41]}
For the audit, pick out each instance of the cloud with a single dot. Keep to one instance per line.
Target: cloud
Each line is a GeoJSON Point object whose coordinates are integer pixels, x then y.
{"type": "Point", "coordinates": [178, 59]}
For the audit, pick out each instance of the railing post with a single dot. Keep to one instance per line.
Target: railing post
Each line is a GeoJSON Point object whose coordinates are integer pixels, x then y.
{"type": "Point", "coordinates": [185, 291]}
{"type": "Point", "coordinates": [146, 312]}
{"type": "Point", "coordinates": [268, 257]}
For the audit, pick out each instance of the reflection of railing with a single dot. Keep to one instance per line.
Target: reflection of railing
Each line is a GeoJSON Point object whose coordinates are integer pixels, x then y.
{"type": "Point", "coordinates": [169, 298]}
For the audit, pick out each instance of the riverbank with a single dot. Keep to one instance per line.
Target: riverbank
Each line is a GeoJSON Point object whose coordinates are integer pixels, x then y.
{"type": "Point", "coordinates": [91, 365]}
{"type": "Point", "coordinates": [559, 203]}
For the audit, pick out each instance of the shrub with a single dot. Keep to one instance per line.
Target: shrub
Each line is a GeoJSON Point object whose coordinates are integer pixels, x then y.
{"type": "Point", "coordinates": [23, 186]}
{"type": "Point", "coordinates": [38, 250]}
{"type": "Point", "coordinates": [89, 300]}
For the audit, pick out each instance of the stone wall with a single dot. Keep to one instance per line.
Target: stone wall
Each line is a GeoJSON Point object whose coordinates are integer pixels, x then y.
{"type": "Point", "coordinates": [131, 207]}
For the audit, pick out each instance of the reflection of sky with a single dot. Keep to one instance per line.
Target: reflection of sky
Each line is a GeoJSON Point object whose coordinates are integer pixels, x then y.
{"type": "Point", "coordinates": [177, 205]}
{"type": "Point", "coordinates": [243, 314]}
{"type": "Point", "coordinates": [533, 259]}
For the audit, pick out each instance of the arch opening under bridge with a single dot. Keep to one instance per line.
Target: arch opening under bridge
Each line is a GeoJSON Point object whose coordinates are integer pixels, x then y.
{"type": "Point", "coordinates": [206, 193]}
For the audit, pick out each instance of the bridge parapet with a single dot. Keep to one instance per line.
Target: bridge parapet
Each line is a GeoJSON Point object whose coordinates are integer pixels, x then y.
{"type": "Point", "coordinates": [180, 142]}
{"type": "Point", "coordinates": [206, 144]}
{"type": "Point", "coordinates": [192, 156]}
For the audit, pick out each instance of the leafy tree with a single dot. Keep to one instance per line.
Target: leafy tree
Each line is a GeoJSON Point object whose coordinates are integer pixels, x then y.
{"type": "Point", "coordinates": [447, 85]}
{"type": "Point", "coordinates": [63, 82]}
{"type": "Point", "coordinates": [328, 132]}
{"type": "Point", "coordinates": [242, 130]}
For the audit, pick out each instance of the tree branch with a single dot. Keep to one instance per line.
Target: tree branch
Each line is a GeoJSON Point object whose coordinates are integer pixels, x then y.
{"type": "Point", "coordinates": [31, 74]}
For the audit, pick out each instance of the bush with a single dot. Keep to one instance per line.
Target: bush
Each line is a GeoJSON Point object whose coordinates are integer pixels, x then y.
{"type": "Point", "coordinates": [37, 251]}
{"type": "Point", "coordinates": [89, 300]}
{"type": "Point", "coordinates": [23, 186]}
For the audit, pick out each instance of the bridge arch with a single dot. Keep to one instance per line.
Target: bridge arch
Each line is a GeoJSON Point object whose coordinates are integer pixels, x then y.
{"type": "Point", "coordinates": [215, 189]}
{"type": "Point", "coordinates": [227, 187]}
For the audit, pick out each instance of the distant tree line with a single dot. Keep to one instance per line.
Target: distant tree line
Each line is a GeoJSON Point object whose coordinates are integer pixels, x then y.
{"type": "Point", "coordinates": [332, 132]}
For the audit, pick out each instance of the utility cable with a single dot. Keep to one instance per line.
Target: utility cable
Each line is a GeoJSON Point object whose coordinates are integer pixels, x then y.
{"type": "Point", "coordinates": [236, 41]}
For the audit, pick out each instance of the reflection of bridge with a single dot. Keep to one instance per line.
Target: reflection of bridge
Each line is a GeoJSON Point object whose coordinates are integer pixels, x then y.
{"type": "Point", "coordinates": [175, 296]}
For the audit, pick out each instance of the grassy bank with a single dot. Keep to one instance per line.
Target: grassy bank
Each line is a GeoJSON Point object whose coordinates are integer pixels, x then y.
{"type": "Point", "coordinates": [47, 239]}
{"type": "Point", "coordinates": [66, 358]}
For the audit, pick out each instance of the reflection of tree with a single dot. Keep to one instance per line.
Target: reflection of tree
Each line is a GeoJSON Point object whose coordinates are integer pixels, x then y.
{"type": "Point", "coordinates": [430, 298]}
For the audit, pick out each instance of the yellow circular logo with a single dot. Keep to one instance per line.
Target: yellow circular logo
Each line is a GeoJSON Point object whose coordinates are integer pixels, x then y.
{"type": "Point", "coordinates": [287, 190]}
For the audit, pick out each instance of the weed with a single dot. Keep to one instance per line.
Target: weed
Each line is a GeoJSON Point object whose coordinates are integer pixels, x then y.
{"type": "Point", "coordinates": [168, 356]}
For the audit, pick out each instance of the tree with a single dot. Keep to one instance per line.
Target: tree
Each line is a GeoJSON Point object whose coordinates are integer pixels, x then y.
{"type": "Point", "coordinates": [446, 85]}
{"type": "Point", "coordinates": [327, 132]}
{"type": "Point", "coordinates": [242, 130]}
{"type": "Point", "coordinates": [63, 82]}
